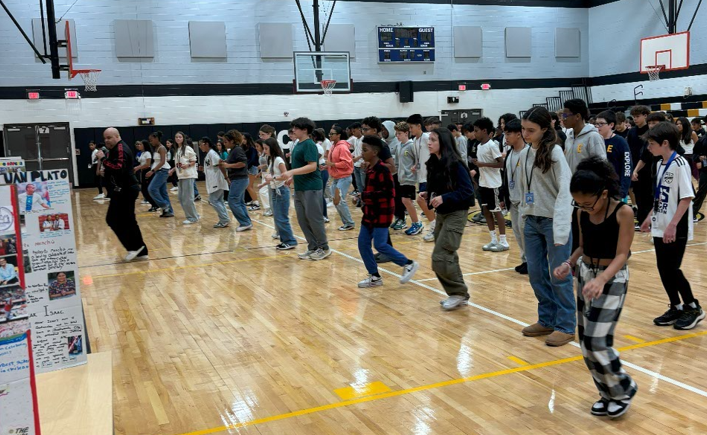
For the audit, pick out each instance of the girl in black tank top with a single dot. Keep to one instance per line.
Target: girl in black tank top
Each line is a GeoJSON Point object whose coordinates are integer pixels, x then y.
{"type": "Point", "coordinates": [606, 234]}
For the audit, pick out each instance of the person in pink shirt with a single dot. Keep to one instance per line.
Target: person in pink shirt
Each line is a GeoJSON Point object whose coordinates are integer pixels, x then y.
{"type": "Point", "coordinates": [340, 166]}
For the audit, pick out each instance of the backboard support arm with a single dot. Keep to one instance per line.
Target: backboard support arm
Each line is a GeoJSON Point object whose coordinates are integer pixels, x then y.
{"type": "Point", "coordinates": [31, 44]}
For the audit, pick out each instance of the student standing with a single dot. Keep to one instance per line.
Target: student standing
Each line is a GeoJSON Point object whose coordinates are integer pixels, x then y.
{"type": "Point", "coordinates": [583, 140]}
{"type": "Point", "coordinates": [95, 166]}
{"type": "Point", "coordinates": [341, 167]}
{"type": "Point", "coordinates": [279, 193]}
{"type": "Point", "coordinates": [394, 146]}
{"type": "Point", "coordinates": [185, 167]}
{"type": "Point", "coordinates": [450, 193]}
{"type": "Point", "coordinates": [617, 150]}
{"type": "Point", "coordinates": [688, 139]}
{"type": "Point", "coordinates": [308, 191]}
{"type": "Point", "coordinates": [460, 140]}
{"type": "Point", "coordinates": [378, 203]}
{"type": "Point", "coordinates": [700, 157]}
{"type": "Point", "coordinates": [671, 225]}
{"type": "Point", "coordinates": [264, 191]}
{"type": "Point", "coordinates": [407, 176]}
{"type": "Point", "coordinates": [159, 173]}
{"type": "Point", "coordinates": [641, 187]}
{"type": "Point", "coordinates": [490, 161]}
{"type": "Point", "coordinates": [236, 166]}
{"type": "Point", "coordinates": [253, 162]}
{"type": "Point", "coordinates": [355, 141]}
{"type": "Point", "coordinates": [169, 146]}
{"type": "Point", "coordinates": [606, 233]}
{"type": "Point", "coordinates": [215, 181]}
{"type": "Point", "coordinates": [546, 206]}
{"type": "Point", "coordinates": [620, 128]}
{"type": "Point", "coordinates": [141, 170]}
{"type": "Point", "coordinates": [420, 141]}
{"type": "Point", "coordinates": [318, 138]}
{"type": "Point", "coordinates": [513, 133]}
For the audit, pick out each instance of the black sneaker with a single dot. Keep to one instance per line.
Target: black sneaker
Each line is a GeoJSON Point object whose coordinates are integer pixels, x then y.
{"type": "Point", "coordinates": [522, 269]}
{"type": "Point", "coordinates": [197, 198]}
{"type": "Point", "coordinates": [153, 209]}
{"type": "Point", "coordinates": [617, 408]}
{"type": "Point", "coordinates": [284, 247]}
{"type": "Point", "coordinates": [690, 317]}
{"type": "Point", "coordinates": [600, 408]}
{"type": "Point", "coordinates": [167, 214]}
{"type": "Point", "coordinates": [669, 317]}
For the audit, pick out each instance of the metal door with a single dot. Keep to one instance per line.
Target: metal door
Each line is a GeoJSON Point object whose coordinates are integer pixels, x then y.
{"type": "Point", "coordinates": [42, 146]}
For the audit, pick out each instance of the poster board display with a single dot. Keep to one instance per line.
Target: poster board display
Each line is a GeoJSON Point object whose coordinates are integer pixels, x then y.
{"type": "Point", "coordinates": [52, 290]}
{"type": "Point", "coordinates": [19, 413]}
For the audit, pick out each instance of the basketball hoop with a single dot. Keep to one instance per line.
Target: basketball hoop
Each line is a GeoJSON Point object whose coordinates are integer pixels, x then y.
{"type": "Point", "coordinates": [89, 76]}
{"type": "Point", "coordinates": [654, 72]}
{"type": "Point", "coordinates": [328, 86]}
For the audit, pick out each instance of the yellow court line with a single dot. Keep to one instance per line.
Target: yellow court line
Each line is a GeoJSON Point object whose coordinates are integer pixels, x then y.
{"type": "Point", "coordinates": [429, 387]}
{"type": "Point", "coordinates": [189, 266]}
{"type": "Point", "coordinates": [518, 361]}
{"type": "Point", "coordinates": [636, 339]}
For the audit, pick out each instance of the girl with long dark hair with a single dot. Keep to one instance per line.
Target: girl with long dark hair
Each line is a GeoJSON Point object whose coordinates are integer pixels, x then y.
{"type": "Point", "coordinates": [450, 192]}
{"type": "Point", "coordinates": [215, 181]}
{"type": "Point", "coordinates": [185, 167]}
{"type": "Point", "coordinates": [237, 166]}
{"type": "Point", "coordinates": [546, 207]}
{"type": "Point", "coordinates": [169, 145]}
{"type": "Point", "coordinates": [279, 193]}
{"type": "Point", "coordinates": [688, 139]}
{"type": "Point", "coordinates": [159, 174]}
{"type": "Point", "coordinates": [251, 154]}
{"type": "Point", "coordinates": [144, 163]}
{"type": "Point", "coordinates": [605, 236]}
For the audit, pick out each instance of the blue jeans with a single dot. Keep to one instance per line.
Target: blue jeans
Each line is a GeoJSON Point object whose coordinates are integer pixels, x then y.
{"type": "Point", "coordinates": [556, 303]}
{"type": "Point", "coordinates": [325, 180]}
{"type": "Point", "coordinates": [360, 175]}
{"type": "Point", "coordinates": [343, 208]}
{"type": "Point", "coordinates": [216, 200]}
{"type": "Point", "coordinates": [236, 196]}
{"type": "Point", "coordinates": [158, 190]}
{"type": "Point", "coordinates": [380, 242]}
{"type": "Point", "coordinates": [280, 199]}
{"type": "Point", "coordinates": [196, 190]}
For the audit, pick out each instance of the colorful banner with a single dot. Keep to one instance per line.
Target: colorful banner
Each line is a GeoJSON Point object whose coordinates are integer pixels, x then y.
{"type": "Point", "coordinates": [11, 165]}
{"type": "Point", "coordinates": [14, 317]}
{"type": "Point", "coordinates": [51, 273]}
{"type": "Point", "coordinates": [19, 414]}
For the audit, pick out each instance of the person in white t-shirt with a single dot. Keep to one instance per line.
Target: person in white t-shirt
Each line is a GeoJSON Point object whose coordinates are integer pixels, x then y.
{"type": "Point", "coordinates": [280, 194]}
{"type": "Point", "coordinates": [670, 223]}
{"type": "Point", "coordinates": [420, 142]}
{"type": "Point", "coordinates": [31, 200]}
{"type": "Point", "coordinates": [359, 174]}
{"type": "Point", "coordinates": [490, 161]}
{"type": "Point", "coordinates": [216, 182]}
{"type": "Point", "coordinates": [185, 165]}
{"type": "Point", "coordinates": [318, 136]}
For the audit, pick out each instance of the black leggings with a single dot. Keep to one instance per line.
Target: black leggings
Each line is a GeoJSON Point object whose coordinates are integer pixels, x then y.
{"type": "Point", "coordinates": [669, 258]}
{"type": "Point", "coordinates": [399, 207]}
{"type": "Point", "coordinates": [701, 193]}
{"type": "Point", "coordinates": [144, 184]}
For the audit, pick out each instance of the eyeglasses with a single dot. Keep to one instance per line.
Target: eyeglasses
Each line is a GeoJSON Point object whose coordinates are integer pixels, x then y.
{"type": "Point", "coordinates": [582, 207]}
{"type": "Point", "coordinates": [566, 115]}
{"type": "Point", "coordinates": [333, 133]}
{"type": "Point", "coordinates": [365, 128]}
{"type": "Point", "coordinates": [599, 124]}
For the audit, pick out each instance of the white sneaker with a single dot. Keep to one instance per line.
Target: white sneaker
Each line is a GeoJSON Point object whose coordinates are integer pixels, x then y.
{"type": "Point", "coordinates": [188, 222]}
{"type": "Point", "coordinates": [305, 255]}
{"type": "Point", "coordinates": [142, 257]}
{"type": "Point", "coordinates": [133, 254]}
{"type": "Point", "coordinates": [500, 247]}
{"type": "Point", "coordinates": [275, 235]}
{"type": "Point", "coordinates": [320, 254]}
{"type": "Point", "coordinates": [326, 220]}
{"type": "Point", "coordinates": [430, 236]}
{"type": "Point", "coordinates": [242, 228]}
{"type": "Point", "coordinates": [145, 202]}
{"type": "Point", "coordinates": [268, 213]}
{"type": "Point", "coordinates": [490, 246]}
{"type": "Point", "coordinates": [454, 302]}
{"type": "Point", "coordinates": [99, 196]}
{"type": "Point", "coordinates": [409, 271]}
{"type": "Point", "coordinates": [174, 189]}
{"type": "Point", "coordinates": [371, 281]}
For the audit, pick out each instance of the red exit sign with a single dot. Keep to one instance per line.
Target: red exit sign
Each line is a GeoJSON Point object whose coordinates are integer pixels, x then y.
{"type": "Point", "coordinates": [33, 95]}
{"type": "Point", "coordinates": [71, 94]}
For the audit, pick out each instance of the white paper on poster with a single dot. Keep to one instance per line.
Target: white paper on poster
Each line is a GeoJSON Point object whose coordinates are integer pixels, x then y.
{"type": "Point", "coordinates": [58, 338]}
{"type": "Point", "coordinates": [17, 411]}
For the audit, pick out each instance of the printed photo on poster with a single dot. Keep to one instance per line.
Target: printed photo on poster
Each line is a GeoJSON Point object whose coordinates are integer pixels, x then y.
{"type": "Point", "coordinates": [13, 303]}
{"type": "Point", "coordinates": [33, 196]}
{"type": "Point", "coordinates": [9, 272]}
{"type": "Point", "coordinates": [75, 345]}
{"type": "Point", "coordinates": [54, 222]}
{"type": "Point", "coordinates": [8, 244]}
{"type": "Point", "coordinates": [61, 285]}
{"type": "Point", "coordinates": [7, 220]}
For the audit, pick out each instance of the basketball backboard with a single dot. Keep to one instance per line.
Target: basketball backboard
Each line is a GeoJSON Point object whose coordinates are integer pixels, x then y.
{"type": "Point", "coordinates": [670, 51]}
{"type": "Point", "coordinates": [313, 67]}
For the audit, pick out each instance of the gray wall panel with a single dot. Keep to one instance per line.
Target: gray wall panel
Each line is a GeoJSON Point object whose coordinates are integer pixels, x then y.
{"type": "Point", "coordinates": [275, 41]}
{"type": "Point", "coordinates": [519, 42]}
{"type": "Point", "coordinates": [341, 37]}
{"type": "Point", "coordinates": [207, 39]}
{"type": "Point", "coordinates": [468, 41]}
{"type": "Point", "coordinates": [134, 38]}
{"type": "Point", "coordinates": [568, 43]}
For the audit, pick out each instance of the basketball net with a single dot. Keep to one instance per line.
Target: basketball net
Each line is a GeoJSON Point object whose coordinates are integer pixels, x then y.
{"type": "Point", "coordinates": [90, 78]}
{"type": "Point", "coordinates": [654, 72]}
{"type": "Point", "coordinates": [328, 86]}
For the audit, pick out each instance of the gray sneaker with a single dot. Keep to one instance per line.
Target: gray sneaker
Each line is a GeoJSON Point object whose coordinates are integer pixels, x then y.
{"type": "Point", "coordinates": [500, 247]}
{"type": "Point", "coordinates": [454, 302]}
{"type": "Point", "coordinates": [490, 246]}
{"type": "Point", "coordinates": [305, 255]}
{"type": "Point", "coordinates": [409, 271]}
{"type": "Point", "coordinates": [371, 281]}
{"type": "Point", "coordinates": [320, 254]}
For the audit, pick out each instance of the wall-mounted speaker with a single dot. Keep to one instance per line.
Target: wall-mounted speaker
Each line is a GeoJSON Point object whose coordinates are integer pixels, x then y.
{"type": "Point", "coordinates": [405, 92]}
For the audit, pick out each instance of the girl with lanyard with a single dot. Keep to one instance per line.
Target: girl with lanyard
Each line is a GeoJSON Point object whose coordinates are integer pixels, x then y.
{"type": "Point", "coordinates": [510, 191]}
{"type": "Point", "coordinates": [546, 207]}
{"type": "Point", "coordinates": [670, 223]}
{"type": "Point", "coordinates": [606, 232]}
{"type": "Point", "coordinates": [450, 193]}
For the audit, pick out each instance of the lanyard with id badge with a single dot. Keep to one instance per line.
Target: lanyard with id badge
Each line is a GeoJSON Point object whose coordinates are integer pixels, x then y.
{"type": "Point", "coordinates": [512, 181]}
{"type": "Point", "coordinates": [659, 188]}
{"type": "Point", "coordinates": [529, 196]}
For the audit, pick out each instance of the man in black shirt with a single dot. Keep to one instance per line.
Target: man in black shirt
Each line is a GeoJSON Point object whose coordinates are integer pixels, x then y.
{"type": "Point", "coordinates": [117, 171]}
{"type": "Point", "coordinates": [641, 190]}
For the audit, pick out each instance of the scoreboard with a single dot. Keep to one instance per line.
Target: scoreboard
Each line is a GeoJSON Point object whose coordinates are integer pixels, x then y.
{"type": "Point", "coordinates": [406, 44]}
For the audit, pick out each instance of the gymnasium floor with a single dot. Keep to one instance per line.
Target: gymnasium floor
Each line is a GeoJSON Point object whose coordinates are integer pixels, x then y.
{"type": "Point", "coordinates": [219, 333]}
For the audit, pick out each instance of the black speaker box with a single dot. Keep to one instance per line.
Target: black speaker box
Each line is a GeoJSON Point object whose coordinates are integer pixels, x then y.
{"type": "Point", "coordinates": [405, 92]}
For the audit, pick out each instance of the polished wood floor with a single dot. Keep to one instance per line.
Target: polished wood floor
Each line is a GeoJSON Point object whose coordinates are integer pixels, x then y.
{"type": "Point", "coordinates": [219, 333]}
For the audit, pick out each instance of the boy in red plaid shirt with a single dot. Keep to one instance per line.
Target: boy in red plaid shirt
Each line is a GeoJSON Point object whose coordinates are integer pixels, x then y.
{"type": "Point", "coordinates": [378, 206]}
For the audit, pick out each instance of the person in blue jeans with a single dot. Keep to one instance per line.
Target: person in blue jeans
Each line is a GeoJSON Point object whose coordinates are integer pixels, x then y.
{"type": "Point", "coordinates": [546, 206]}
{"type": "Point", "coordinates": [279, 194]}
{"type": "Point", "coordinates": [378, 197]}
{"type": "Point", "coordinates": [159, 174]}
{"type": "Point", "coordinates": [236, 164]}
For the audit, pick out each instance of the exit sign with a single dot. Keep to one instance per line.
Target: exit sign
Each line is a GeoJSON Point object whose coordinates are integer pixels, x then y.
{"type": "Point", "coordinates": [71, 94]}
{"type": "Point", "coordinates": [462, 87]}
{"type": "Point", "coordinates": [33, 95]}
{"type": "Point", "coordinates": [485, 87]}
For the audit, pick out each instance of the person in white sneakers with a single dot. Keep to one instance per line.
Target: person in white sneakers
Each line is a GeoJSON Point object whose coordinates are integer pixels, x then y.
{"type": "Point", "coordinates": [95, 166]}
{"type": "Point", "coordinates": [490, 161]}
{"type": "Point", "coordinates": [421, 141]}
{"type": "Point", "coordinates": [513, 132]}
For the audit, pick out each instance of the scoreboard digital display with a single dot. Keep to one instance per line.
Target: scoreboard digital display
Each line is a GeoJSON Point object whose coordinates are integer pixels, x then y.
{"type": "Point", "coordinates": [406, 44]}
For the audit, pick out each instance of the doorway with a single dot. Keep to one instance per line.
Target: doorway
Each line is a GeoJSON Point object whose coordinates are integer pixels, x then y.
{"type": "Point", "coordinates": [41, 146]}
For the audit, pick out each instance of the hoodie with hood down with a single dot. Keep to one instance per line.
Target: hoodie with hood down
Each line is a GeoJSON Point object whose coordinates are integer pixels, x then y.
{"type": "Point", "coordinates": [588, 143]}
{"type": "Point", "coordinates": [392, 141]}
